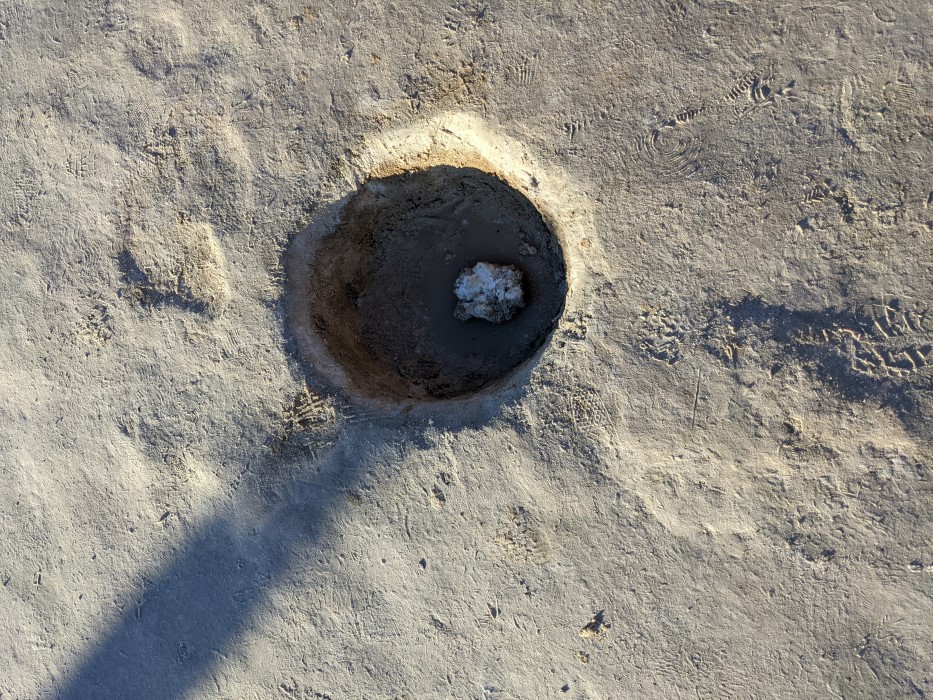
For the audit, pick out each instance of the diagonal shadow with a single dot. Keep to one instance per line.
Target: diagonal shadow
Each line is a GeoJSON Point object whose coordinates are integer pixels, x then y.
{"type": "Point", "coordinates": [194, 612]}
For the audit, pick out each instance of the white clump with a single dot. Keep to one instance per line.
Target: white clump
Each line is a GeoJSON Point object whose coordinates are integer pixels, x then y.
{"type": "Point", "coordinates": [490, 292]}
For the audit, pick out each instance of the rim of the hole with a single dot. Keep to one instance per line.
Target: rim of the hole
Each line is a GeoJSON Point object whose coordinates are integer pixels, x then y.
{"type": "Point", "coordinates": [453, 140]}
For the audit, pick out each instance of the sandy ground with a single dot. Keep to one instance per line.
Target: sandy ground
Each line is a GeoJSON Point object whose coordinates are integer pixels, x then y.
{"type": "Point", "coordinates": [715, 482]}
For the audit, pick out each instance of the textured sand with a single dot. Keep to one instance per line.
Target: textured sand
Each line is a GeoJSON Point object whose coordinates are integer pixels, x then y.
{"type": "Point", "coordinates": [715, 482]}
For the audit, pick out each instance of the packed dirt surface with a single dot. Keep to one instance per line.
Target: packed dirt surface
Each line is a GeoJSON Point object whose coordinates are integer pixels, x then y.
{"type": "Point", "coordinates": [703, 468]}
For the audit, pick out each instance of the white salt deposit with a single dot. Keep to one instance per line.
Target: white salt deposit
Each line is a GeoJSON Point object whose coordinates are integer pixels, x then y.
{"type": "Point", "coordinates": [490, 292]}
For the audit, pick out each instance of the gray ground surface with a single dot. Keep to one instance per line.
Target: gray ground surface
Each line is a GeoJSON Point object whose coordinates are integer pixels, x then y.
{"type": "Point", "coordinates": [726, 448]}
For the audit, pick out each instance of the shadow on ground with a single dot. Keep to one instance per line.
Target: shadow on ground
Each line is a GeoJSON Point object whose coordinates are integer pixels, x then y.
{"type": "Point", "coordinates": [196, 611]}
{"type": "Point", "coordinates": [880, 352]}
{"type": "Point", "coordinates": [193, 614]}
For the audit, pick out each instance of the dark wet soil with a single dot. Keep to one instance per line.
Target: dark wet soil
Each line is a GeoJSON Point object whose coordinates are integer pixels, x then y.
{"type": "Point", "coordinates": [383, 283]}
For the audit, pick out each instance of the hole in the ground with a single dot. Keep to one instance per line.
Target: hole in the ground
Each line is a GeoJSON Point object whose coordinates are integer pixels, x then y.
{"type": "Point", "coordinates": [398, 299]}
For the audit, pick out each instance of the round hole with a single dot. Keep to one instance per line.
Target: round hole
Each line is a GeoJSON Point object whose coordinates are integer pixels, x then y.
{"type": "Point", "coordinates": [381, 285]}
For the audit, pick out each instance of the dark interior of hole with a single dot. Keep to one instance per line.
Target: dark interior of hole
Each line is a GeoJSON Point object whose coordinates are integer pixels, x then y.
{"type": "Point", "coordinates": [382, 283]}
